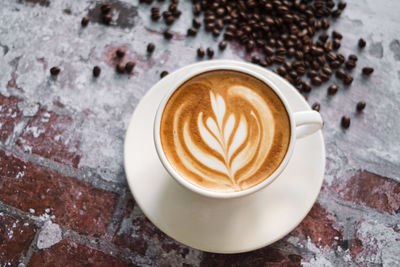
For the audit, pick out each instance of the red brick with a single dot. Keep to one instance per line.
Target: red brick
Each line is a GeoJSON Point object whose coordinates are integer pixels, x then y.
{"type": "Point", "coordinates": [320, 226]}
{"type": "Point", "coordinates": [15, 239]}
{"type": "Point", "coordinates": [9, 115]}
{"type": "Point", "coordinates": [371, 190]}
{"type": "Point", "coordinates": [52, 136]}
{"type": "Point", "coordinates": [69, 253]}
{"type": "Point", "coordinates": [74, 203]}
{"type": "Point", "coordinates": [268, 256]}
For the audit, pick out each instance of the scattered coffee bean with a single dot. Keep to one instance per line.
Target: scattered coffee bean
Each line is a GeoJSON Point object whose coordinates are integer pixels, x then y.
{"type": "Point", "coordinates": [362, 43]}
{"type": "Point", "coordinates": [200, 52]}
{"type": "Point", "coordinates": [337, 35]}
{"type": "Point", "coordinates": [263, 63]}
{"type": "Point", "coordinates": [222, 45]}
{"type": "Point", "coordinates": [107, 18]}
{"type": "Point", "coordinates": [169, 20]}
{"type": "Point", "coordinates": [85, 21]}
{"type": "Point", "coordinates": [324, 77]}
{"type": "Point", "coordinates": [168, 34]}
{"type": "Point", "coordinates": [306, 87]}
{"type": "Point", "coordinates": [120, 52]}
{"type": "Point", "coordinates": [255, 59]}
{"type": "Point", "coordinates": [336, 44]}
{"type": "Point", "coordinates": [361, 105]}
{"type": "Point", "coordinates": [317, 81]}
{"type": "Point", "coordinates": [345, 122]}
{"type": "Point", "coordinates": [332, 89]}
{"type": "Point", "coordinates": [55, 71]}
{"type": "Point", "coordinates": [340, 74]}
{"type": "Point", "coordinates": [312, 73]}
{"type": "Point", "coordinates": [342, 5]}
{"type": "Point", "coordinates": [96, 71]}
{"type": "Point", "coordinates": [192, 31]}
{"type": "Point", "coordinates": [196, 22]}
{"type": "Point", "coordinates": [129, 66]}
{"type": "Point", "coordinates": [163, 74]}
{"type": "Point", "coordinates": [367, 71]}
{"type": "Point", "coordinates": [316, 106]}
{"type": "Point", "coordinates": [151, 47]}
{"type": "Point", "coordinates": [105, 8]}
{"type": "Point", "coordinates": [210, 52]}
{"type": "Point", "coordinates": [350, 64]}
{"type": "Point", "coordinates": [327, 70]}
{"type": "Point", "coordinates": [120, 68]}
{"type": "Point", "coordinates": [348, 79]}
{"type": "Point", "coordinates": [353, 57]}
{"type": "Point", "coordinates": [334, 64]}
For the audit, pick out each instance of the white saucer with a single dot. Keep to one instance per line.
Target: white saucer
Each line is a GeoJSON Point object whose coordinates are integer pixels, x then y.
{"type": "Point", "coordinates": [217, 225]}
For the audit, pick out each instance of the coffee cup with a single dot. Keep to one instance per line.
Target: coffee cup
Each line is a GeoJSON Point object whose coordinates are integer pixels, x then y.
{"type": "Point", "coordinates": [224, 131]}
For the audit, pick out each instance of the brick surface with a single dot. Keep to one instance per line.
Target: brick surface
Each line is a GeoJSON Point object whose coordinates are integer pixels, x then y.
{"type": "Point", "coordinates": [69, 253]}
{"type": "Point", "coordinates": [74, 203]}
{"type": "Point", "coordinates": [267, 256]}
{"type": "Point", "coordinates": [371, 190]}
{"type": "Point", "coordinates": [15, 239]}
{"type": "Point", "coordinates": [52, 136]}
{"type": "Point", "coordinates": [9, 115]}
{"type": "Point", "coordinates": [320, 225]}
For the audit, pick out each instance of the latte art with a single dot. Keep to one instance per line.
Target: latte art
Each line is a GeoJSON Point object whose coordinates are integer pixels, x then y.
{"type": "Point", "coordinates": [224, 131]}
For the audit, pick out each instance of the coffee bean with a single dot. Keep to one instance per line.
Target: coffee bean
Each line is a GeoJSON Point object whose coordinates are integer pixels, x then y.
{"type": "Point", "coordinates": [163, 74]}
{"type": "Point", "coordinates": [229, 35]}
{"type": "Point", "coordinates": [177, 13]}
{"type": "Point", "coordinates": [192, 31]}
{"type": "Point", "coordinates": [324, 77]}
{"type": "Point", "coordinates": [269, 50]}
{"type": "Point", "coordinates": [340, 58]}
{"type": "Point", "coordinates": [129, 66]}
{"type": "Point", "coordinates": [120, 52]}
{"type": "Point", "coordinates": [350, 64]}
{"type": "Point", "coordinates": [323, 37]}
{"type": "Point", "coordinates": [155, 16]}
{"type": "Point", "coordinates": [337, 35]}
{"type": "Point", "coordinates": [197, 9]}
{"type": "Point", "coordinates": [361, 105]}
{"type": "Point", "coordinates": [263, 63]}
{"type": "Point", "coordinates": [210, 52]}
{"type": "Point", "coordinates": [353, 57]}
{"type": "Point", "coordinates": [336, 13]}
{"type": "Point", "coordinates": [340, 74]}
{"type": "Point", "coordinates": [306, 87]}
{"type": "Point", "coordinates": [96, 71]}
{"type": "Point", "coordinates": [362, 43]}
{"type": "Point", "coordinates": [279, 59]}
{"type": "Point", "coordinates": [327, 70]}
{"type": "Point", "coordinates": [107, 18]}
{"type": "Point", "coordinates": [367, 71]}
{"type": "Point", "coordinates": [105, 8]}
{"type": "Point", "coordinates": [293, 74]}
{"type": "Point", "coordinates": [210, 26]}
{"type": "Point", "coordinates": [200, 52]}
{"type": "Point", "coordinates": [196, 23]}
{"type": "Point", "coordinates": [255, 59]}
{"type": "Point", "coordinates": [167, 14]}
{"type": "Point", "coordinates": [312, 73]}
{"type": "Point", "coordinates": [342, 5]}
{"type": "Point", "coordinates": [332, 89]}
{"type": "Point", "coordinates": [222, 45]}
{"type": "Point", "coordinates": [55, 71]}
{"type": "Point", "coordinates": [345, 122]}
{"type": "Point", "coordinates": [316, 106]}
{"type": "Point", "coordinates": [169, 20]}
{"type": "Point", "coordinates": [168, 34]}
{"type": "Point", "coordinates": [336, 44]}
{"type": "Point", "coordinates": [348, 79]}
{"type": "Point", "coordinates": [281, 71]}
{"type": "Point", "coordinates": [250, 45]}
{"type": "Point", "coordinates": [331, 56]}
{"type": "Point", "coordinates": [85, 21]}
{"type": "Point", "coordinates": [334, 64]}
{"type": "Point", "coordinates": [120, 68]}
{"type": "Point", "coordinates": [317, 81]}
{"type": "Point", "coordinates": [151, 47]}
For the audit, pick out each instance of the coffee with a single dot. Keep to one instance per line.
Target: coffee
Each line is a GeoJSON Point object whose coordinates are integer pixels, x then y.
{"type": "Point", "coordinates": [225, 131]}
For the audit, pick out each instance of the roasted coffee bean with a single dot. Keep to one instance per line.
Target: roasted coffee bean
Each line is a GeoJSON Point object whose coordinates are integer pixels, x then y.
{"type": "Point", "coordinates": [361, 105]}
{"type": "Point", "coordinates": [192, 31]}
{"type": "Point", "coordinates": [269, 50]}
{"type": "Point", "coordinates": [197, 9]}
{"type": "Point", "coordinates": [324, 77]}
{"type": "Point", "coordinates": [323, 37]}
{"type": "Point", "coordinates": [250, 45]}
{"type": "Point", "coordinates": [353, 57]}
{"type": "Point", "coordinates": [229, 35]}
{"type": "Point", "coordinates": [301, 70]}
{"type": "Point", "coordinates": [279, 59]}
{"type": "Point", "coordinates": [306, 87]}
{"type": "Point", "coordinates": [85, 21]}
{"type": "Point", "coordinates": [328, 46]}
{"type": "Point", "coordinates": [167, 14]}
{"type": "Point", "coordinates": [280, 51]}
{"type": "Point", "coordinates": [172, 7]}
{"type": "Point", "coordinates": [345, 122]}
{"type": "Point", "coordinates": [164, 73]}
{"type": "Point", "coordinates": [293, 74]}
{"type": "Point", "coordinates": [327, 70]}
{"type": "Point", "coordinates": [107, 18]}
{"type": "Point", "coordinates": [220, 12]}
{"type": "Point", "coordinates": [317, 81]}
{"type": "Point", "coordinates": [169, 20]}
{"type": "Point", "coordinates": [155, 10]}
{"type": "Point", "coordinates": [312, 73]}
{"type": "Point", "coordinates": [200, 52]}
{"type": "Point", "coordinates": [367, 71]}
{"type": "Point", "coordinates": [348, 79]}
{"type": "Point", "coordinates": [342, 5]}
{"type": "Point", "coordinates": [105, 8]}
{"type": "Point", "coordinates": [222, 45]}
{"type": "Point", "coordinates": [129, 66]}
{"type": "Point", "coordinates": [331, 56]}
{"type": "Point", "coordinates": [362, 43]}
{"type": "Point", "coordinates": [336, 44]}
{"type": "Point", "coordinates": [340, 74]}
{"type": "Point", "coordinates": [177, 13]}
{"type": "Point", "coordinates": [350, 64]}
{"type": "Point", "coordinates": [337, 35]}
{"type": "Point", "coordinates": [96, 71]}
{"type": "Point", "coordinates": [281, 71]}
{"type": "Point", "coordinates": [168, 34]}
{"type": "Point", "coordinates": [263, 63]}
{"type": "Point", "coordinates": [255, 59]}
{"type": "Point", "coordinates": [196, 23]}
{"type": "Point", "coordinates": [316, 106]}
{"type": "Point", "coordinates": [120, 52]}
{"type": "Point", "coordinates": [340, 58]}
{"type": "Point", "coordinates": [151, 47]}
{"type": "Point", "coordinates": [155, 16]}
{"type": "Point", "coordinates": [55, 71]}
{"type": "Point", "coordinates": [120, 68]}
{"type": "Point", "coordinates": [210, 52]}
{"type": "Point", "coordinates": [333, 89]}
{"type": "Point", "coordinates": [336, 13]}
{"type": "Point", "coordinates": [334, 64]}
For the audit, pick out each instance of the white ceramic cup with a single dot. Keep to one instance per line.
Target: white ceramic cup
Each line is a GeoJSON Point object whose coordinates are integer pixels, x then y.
{"type": "Point", "coordinates": [302, 124]}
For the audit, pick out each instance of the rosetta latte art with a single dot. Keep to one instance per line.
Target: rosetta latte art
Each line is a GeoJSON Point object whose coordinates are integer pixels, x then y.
{"type": "Point", "coordinates": [221, 138]}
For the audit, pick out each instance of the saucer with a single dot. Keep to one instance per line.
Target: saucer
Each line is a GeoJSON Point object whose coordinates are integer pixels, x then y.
{"type": "Point", "coordinates": [221, 225]}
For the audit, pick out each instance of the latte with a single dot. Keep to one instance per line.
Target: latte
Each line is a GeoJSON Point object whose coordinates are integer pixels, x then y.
{"type": "Point", "coordinates": [225, 131]}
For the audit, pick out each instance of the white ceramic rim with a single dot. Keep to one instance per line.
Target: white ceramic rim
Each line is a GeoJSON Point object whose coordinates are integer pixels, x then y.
{"type": "Point", "coordinates": [184, 182]}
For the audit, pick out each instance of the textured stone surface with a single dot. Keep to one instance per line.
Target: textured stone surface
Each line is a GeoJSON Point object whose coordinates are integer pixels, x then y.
{"type": "Point", "coordinates": [61, 138]}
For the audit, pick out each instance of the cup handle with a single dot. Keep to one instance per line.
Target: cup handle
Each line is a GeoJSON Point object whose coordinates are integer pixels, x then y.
{"type": "Point", "coordinates": [307, 122]}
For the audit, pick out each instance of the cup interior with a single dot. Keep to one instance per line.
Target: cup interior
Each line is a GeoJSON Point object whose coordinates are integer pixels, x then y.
{"type": "Point", "coordinates": [183, 181]}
